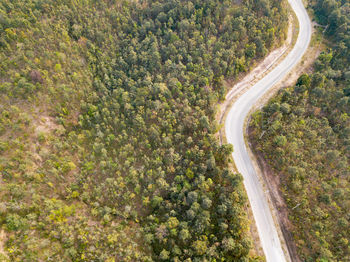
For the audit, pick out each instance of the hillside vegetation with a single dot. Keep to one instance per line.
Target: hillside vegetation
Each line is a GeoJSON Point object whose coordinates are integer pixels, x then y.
{"type": "Point", "coordinates": [304, 133]}
{"type": "Point", "coordinates": [107, 146]}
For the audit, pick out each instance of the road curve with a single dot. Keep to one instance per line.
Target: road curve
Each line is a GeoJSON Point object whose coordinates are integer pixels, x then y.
{"type": "Point", "coordinates": [234, 126]}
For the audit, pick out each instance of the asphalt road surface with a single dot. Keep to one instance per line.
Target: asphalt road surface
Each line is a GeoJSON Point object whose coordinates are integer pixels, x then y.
{"type": "Point", "coordinates": [234, 126]}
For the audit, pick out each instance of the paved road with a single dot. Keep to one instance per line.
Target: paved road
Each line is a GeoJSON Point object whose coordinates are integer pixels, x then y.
{"type": "Point", "coordinates": [234, 132]}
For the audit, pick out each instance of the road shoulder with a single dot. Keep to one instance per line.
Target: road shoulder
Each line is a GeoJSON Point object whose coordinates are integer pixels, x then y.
{"type": "Point", "coordinates": [238, 87]}
{"type": "Point", "coordinates": [269, 179]}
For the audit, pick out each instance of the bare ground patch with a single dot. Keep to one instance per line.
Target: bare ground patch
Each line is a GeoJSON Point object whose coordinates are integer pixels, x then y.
{"type": "Point", "coordinates": [2, 241]}
{"type": "Point", "coordinates": [44, 124]}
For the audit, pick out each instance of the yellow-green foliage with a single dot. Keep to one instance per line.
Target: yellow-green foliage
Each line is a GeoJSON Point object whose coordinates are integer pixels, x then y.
{"type": "Point", "coordinates": [304, 132]}
{"type": "Point", "coordinates": [107, 135]}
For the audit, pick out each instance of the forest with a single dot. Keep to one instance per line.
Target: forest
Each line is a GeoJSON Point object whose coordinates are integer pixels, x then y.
{"type": "Point", "coordinates": [108, 146]}
{"type": "Point", "coordinates": [304, 134]}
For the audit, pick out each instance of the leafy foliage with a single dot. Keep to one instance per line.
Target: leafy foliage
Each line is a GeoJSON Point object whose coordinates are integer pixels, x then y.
{"type": "Point", "coordinates": [107, 132]}
{"type": "Point", "coordinates": [304, 132]}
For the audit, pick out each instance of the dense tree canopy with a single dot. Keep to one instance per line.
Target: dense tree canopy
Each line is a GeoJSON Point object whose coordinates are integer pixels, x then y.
{"type": "Point", "coordinates": [304, 132]}
{"type": "Point", "coordinates": [107, 131]}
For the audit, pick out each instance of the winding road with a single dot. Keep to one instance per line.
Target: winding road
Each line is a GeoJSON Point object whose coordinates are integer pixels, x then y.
{"type": "Point", "coordinates": [234, 128]}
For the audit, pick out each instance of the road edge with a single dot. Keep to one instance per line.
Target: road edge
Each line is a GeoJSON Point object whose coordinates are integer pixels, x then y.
{"type": "Point", "coordinates": [258, 160]}
{"type": "Point", "coordinates": [221, 118]}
